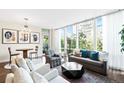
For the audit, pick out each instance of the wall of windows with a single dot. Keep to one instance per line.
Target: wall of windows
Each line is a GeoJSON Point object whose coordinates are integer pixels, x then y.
{"type": "Point", "coordinates": [85, 31]}
{"type": "Point", "coordinates": [46, 34]}
{"type": "Point", "coordinates": [61, 37]}
{"type": "Point", "coordinates": [99, 34]}
{"type": "Point", "coordinates": [85, 35]}
{"type": "Point", "coordinates": [71, 38]}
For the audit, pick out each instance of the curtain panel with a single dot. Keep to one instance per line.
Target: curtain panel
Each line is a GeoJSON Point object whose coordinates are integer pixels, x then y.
{"type": "Point", "coordinates": [112, 25]}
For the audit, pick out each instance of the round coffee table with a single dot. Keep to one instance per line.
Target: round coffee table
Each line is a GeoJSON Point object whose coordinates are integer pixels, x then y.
{"type": "Point", "coordinates": [72, 70]}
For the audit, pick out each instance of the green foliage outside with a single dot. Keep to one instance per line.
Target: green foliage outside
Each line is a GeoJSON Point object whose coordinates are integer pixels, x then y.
{"type": "Point", "coordinates": [45, 43]}
{"type": "Point", "coordinates": [62, 44]}
{"type": "Point", "coordinates": [99, 44]}
{"type": "Point", "coordinates": [84, 43]}
{"type": "Point", "coordinates": [71, 43]}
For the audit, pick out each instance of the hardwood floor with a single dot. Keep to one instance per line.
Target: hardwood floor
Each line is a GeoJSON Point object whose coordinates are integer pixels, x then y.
{"type": "Point", "coordinates": [3, 72]}
{"type": "Point", "coordinates": [91, 77]}
{"type": "Point", "coordinates": [88, 77]}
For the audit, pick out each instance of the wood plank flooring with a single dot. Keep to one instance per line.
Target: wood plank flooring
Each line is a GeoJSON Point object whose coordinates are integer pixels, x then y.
{"type": "Point", "coordinates": [3, 72]}
{"type": "Point", "coordinates": [88, 77]}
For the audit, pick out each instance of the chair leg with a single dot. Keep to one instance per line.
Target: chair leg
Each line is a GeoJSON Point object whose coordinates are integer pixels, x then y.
{"type": "Point", "coordinates": [10, 60]}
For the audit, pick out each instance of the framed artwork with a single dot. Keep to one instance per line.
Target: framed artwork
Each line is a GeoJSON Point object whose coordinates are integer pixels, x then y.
{"type": "Point", "coordinates": [24, 37]}
{"type": "Point", "coordinates": [35, 37]}
{"type": "Point", "coordinates": [9, 36]}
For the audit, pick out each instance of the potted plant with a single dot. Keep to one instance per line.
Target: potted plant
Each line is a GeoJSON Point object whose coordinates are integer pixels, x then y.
{"type": "Point", "coordinates": [122, 39]}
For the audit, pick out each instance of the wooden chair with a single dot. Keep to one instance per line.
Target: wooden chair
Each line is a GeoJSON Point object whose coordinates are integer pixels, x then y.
{"type": "Point", "coordinates": [11, 54]}
{"type": "Point", "coordinates": [34, 53]}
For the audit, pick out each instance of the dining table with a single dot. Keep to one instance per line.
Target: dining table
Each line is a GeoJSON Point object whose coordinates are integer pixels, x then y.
{"type": "Point", "coordinates": [25, 51]}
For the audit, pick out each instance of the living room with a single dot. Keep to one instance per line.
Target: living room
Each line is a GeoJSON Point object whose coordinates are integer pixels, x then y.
{"type": "Point", "coordinates": [61, 46]}
{"type": "Point", "coordinates": [87, 47]}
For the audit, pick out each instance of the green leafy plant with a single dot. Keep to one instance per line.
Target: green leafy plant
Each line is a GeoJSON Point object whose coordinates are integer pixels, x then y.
{"type": "Point", "coordinates": [122, 39]}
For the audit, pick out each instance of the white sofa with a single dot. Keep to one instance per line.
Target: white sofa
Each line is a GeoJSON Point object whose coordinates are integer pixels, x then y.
{"type": "Point", "coordinates": [27, 74]}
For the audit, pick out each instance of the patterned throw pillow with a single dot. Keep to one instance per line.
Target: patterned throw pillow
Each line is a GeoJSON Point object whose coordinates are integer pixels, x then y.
{"type": "Point", "coordinates": [84, 53]}
{"type": "Point", "coordinates": [94, 55]}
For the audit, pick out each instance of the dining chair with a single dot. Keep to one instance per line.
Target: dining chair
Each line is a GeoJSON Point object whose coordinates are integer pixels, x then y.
{"type": "Point", "coordinates": [35, 53]}
{"type": "Point", "coordinates": [11, 54]}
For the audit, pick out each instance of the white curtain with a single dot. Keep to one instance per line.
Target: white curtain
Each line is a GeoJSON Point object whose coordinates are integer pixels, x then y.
{"type": "Point", "coordinates": [112, 24]}
{"type": "Point", "coordinates": [55, 42]}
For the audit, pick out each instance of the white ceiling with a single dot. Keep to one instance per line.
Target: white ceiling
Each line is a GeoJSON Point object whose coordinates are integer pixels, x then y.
{"type": "Point", "coordinates": [50, 18]}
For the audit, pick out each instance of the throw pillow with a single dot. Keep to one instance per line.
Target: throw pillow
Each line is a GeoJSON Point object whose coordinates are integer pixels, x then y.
{"type": "Point", "coordinates": [103, 56]}
{"type": "Point", "coordinates": [21, 62]}
{"type": "Point", "coordinates": [88, 53]}
{"type": "Point", "coordinates": [13, 67]}
{"type": "Point", "coordinates": [84, 53]}
{"type": "Point", "coordinates": [55, 55]}
{"type": "Point", "coordinates": [22, 76]}
{"type": "Point", "coordinates": [94, 55]}
{"type": "Point", "coordinates": [38, 78]}
{"type": "Point", "coordinates": [30, 64]}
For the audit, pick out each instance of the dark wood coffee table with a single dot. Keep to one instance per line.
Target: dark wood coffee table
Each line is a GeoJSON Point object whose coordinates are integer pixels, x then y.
{"type": "Point", "coordinates": [72, 70]}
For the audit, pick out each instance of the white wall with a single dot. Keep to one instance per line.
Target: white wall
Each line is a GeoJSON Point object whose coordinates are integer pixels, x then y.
{"type": "Point", "coordinates": [4, 55]}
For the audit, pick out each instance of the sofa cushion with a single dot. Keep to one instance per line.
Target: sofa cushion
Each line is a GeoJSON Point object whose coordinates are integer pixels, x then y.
{"type": "Point", "coordinates": [88, 53]}
{"type": "Point", "coordinates": [51, 74]}
{"type": "Point", "coordinates": [93, 62]}
{"type": "Point", "coordinates": [30, 64]}
{"type": "Point", "coordinates": [103, 56]}
{"type": "Point", "coordinates": [38, 78]}
{"type": "Point", "coordinates": [87, 61]}
{"type": "Point", "coordinates": [21, 62]}
{"type": "Point", "coordinates": [13, 67]}
{"type": "Point", "coordinates": [58, 79]}
{"type": "Point", "coordinates": [51, 52]}
{"type": "Point", "coordinates": [94, 55]}
{"type": "Point", "coordinates": [84, 53]}
{"type": "Point", "coordinates": [43, 69]}
{"type": "Point", "coordinates": [77, 52]}
{"type": "Point", "coordinates": [22, 76]}
{"type": "Point", "coordinates": [9, 78]}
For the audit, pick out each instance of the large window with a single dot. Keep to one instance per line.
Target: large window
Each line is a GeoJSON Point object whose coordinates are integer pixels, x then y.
{"type": "Point", "coordinates": [85, 35]}
{"type": "Point", "coordinates": [45, 39]}
{"type": "Point", "coordinates": [62, 39]}
{"type": "Point", "coordinates": [99, 34]}
{"type": "Point", "coordinates": [71, 38]}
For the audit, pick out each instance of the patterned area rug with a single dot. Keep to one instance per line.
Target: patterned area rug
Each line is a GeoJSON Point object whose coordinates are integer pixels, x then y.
{"type": "Point", "coordinates": [88, 77]}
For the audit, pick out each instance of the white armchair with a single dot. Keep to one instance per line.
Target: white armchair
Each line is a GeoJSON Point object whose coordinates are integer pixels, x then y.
{"type": "Point", "coordinates": [51, 76]}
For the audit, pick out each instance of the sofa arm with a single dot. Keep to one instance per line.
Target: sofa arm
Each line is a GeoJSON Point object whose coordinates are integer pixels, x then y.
{"type": "Point", "coordinates": [51, 74]}
{"type": "Point", "coordinates": [43, 69]}
{"type": "Point", "coordinates": [9, 78]}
